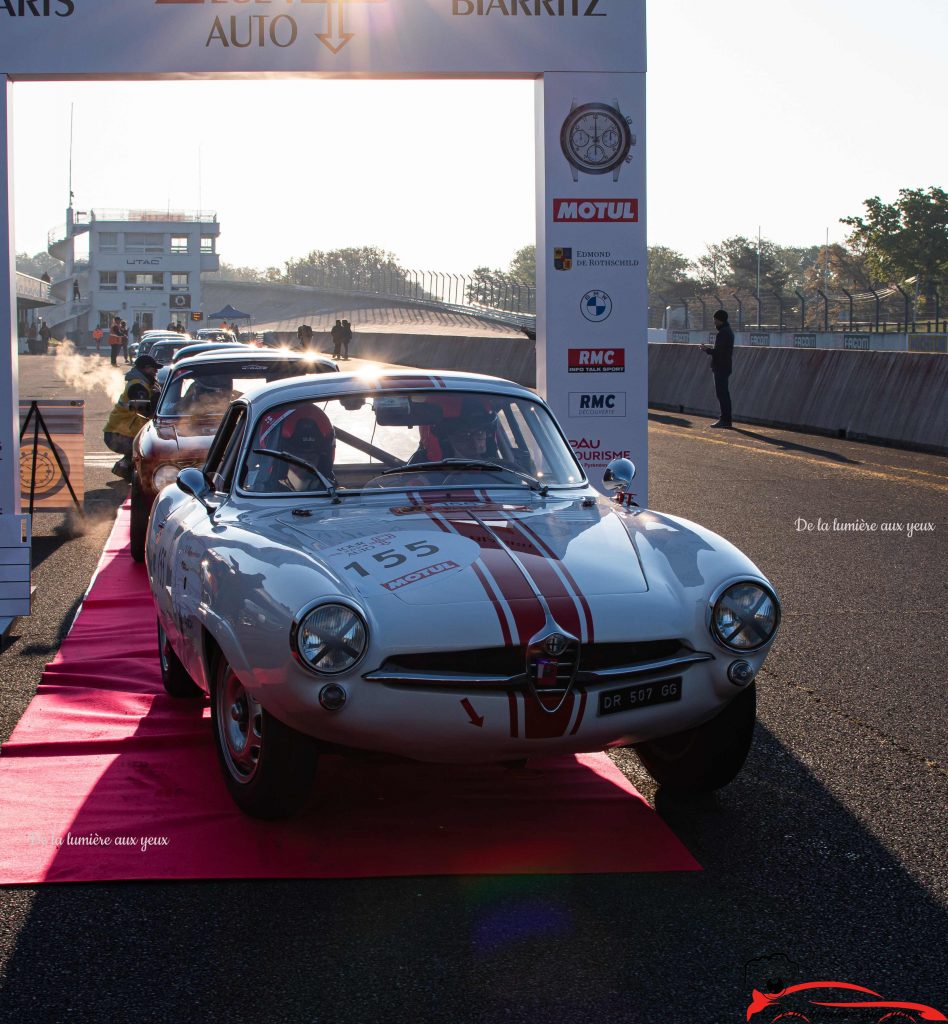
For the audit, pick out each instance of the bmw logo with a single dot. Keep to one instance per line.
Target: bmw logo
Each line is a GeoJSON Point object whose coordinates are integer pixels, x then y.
{"type": "Point", "coordinates": [596, 306]}
{"type": "Point", "coordinates": [555, 644]}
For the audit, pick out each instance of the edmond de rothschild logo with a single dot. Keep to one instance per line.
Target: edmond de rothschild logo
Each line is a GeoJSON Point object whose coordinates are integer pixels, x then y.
{"type": "Point", "coordinates": [280, 30]}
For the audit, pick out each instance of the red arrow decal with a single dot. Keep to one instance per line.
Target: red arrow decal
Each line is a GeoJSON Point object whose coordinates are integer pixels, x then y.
{"type": "Point", "coordinates": [475, 718]}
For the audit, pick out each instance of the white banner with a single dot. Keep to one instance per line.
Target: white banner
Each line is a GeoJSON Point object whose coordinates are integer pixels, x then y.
{"type": "Point", "coordinates": [592, 343]}
{"type": "Point", "coordinates": [378, 37]}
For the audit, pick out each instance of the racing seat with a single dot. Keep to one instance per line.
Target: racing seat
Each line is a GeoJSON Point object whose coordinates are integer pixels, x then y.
{"type": "Point", "coordinates": [305, 432]}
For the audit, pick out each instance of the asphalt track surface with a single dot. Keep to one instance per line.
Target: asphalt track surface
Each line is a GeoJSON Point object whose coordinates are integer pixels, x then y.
{"type": "Point", "coordinates": [829, 848]}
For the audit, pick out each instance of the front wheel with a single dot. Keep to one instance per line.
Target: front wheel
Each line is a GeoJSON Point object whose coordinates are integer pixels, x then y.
{"type": "Point", "coordinates": [268, 767]}
{"type": "Point", "coordinates": [707, 757]}
{"type": "Point", "coordinates": [174, 676]}
{"type": "Point", "coordinates": [138, 525]}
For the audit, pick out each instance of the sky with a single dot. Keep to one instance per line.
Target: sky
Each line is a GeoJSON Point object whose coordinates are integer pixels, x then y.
{"type": "Point", "coordinates": [782, 115]}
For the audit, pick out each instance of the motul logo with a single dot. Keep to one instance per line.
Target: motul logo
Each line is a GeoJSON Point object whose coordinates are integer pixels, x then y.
{"type": "Point", "coordinates": [596, 360]}
{"type": "Point", "coordinates": [596, 211]}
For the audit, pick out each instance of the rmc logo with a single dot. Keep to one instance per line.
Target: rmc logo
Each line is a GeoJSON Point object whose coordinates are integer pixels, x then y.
{"type": "Point", "coordinates": [596, 360]}
{"type": "Point", "coordinates": [602, 404]}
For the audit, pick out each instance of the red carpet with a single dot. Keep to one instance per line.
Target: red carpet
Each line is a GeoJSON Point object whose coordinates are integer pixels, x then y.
{"type": "Point", "coordinates": [106, 777]}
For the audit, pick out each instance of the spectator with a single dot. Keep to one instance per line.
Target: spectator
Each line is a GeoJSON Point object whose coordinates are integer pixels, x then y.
{"type": "Point", "coordinates": [346, 338]}
{"type": "Point", "coordinates": [115, 339]}
{"type": "Point", "coordinates": [76, 297]}
{"type": "Point", "coordinates": [336, 333]}
{"type": "Point", "coordinates": [721, 358]}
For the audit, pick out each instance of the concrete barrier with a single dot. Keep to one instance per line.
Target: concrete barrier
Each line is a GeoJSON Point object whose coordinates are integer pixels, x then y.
{"type": "Point", "coordinates": [512, 357]}
{"type": "Point", "coordinates": [893, 398]}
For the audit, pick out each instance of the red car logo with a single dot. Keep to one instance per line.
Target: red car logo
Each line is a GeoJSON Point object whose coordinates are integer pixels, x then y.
{"type": "Point", "coordinates": [805, 1003]}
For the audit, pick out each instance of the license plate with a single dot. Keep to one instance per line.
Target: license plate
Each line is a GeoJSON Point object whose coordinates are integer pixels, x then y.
{"type": "Point", "coordinates": [641, 695]}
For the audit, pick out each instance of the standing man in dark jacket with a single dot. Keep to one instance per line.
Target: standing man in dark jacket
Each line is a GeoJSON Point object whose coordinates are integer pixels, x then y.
{"type": "Point", "coordinates": [721, 353]}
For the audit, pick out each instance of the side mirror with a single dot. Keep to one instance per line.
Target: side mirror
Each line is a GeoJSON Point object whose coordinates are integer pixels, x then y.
{"type": "Point", "coordinates": [192, 481]}
{"type": "Point", "coordinates": [619, 475]}
{"type": "Point", "coordinates": [141, 405]}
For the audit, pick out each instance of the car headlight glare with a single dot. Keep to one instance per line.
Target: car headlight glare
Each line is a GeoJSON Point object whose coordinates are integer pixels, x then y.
{"type": "Point", "coordinates": [745, 616]}
{"type": "Point", "coordinates": [331, 638]}
{"type": "Point", "coordinates": [165, 475]}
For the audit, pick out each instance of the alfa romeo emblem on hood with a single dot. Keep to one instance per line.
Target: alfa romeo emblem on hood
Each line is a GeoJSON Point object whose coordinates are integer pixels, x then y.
{"type": "Point", "coordinates": [555, 644]}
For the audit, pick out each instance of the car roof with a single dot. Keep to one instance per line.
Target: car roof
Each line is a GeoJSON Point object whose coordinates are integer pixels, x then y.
{"type": "Point", "coordinates": [329, 385]}
{"type": "Point", "coordinates": [224, 354]}
{"type": "Point", "coordinates": [212, 346]}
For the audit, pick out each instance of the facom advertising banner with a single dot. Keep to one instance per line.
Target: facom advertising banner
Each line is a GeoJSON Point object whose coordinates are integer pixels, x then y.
{"type": "Point", "coordinates": [592, 344]}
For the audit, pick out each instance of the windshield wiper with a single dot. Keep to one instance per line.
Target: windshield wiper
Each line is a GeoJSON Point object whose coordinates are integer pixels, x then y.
{"type": "Point", "coordinates": [295, 460]}
{"type": "Point", "coordinates": [475, 464]}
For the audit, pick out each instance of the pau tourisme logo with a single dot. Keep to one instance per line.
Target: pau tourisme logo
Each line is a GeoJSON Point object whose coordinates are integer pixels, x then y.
{"type": "Point", "coordinates": [774, 998]}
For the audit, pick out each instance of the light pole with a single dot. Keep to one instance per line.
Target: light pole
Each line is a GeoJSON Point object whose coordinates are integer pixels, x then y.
{"type": "Point", "coordinates": [758, 277]}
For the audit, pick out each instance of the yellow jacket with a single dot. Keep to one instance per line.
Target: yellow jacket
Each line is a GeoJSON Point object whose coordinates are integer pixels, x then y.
{"type": "Point", "coordinates": [122, 420]}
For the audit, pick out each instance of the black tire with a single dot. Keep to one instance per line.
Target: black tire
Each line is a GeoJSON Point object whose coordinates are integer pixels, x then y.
{"type": "Point", "coordinates": [268, 767]}
{"type": "Point", "coordinates": [707, 757]}
{"type": "Point", "coordinates": [139, 522]}
{"type": "Point", "coordinates": [174, 676]}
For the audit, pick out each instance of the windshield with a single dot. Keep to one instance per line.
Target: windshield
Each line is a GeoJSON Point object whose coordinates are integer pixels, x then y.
{"type": "Point", "coordinates": [413, 441]}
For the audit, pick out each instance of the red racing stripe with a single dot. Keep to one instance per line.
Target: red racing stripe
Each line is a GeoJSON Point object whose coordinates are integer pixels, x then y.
{"type": "Point", "coordinates": [579, 596]}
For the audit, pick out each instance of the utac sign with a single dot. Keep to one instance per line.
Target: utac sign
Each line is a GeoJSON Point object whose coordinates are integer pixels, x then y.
{"type": "Point", "coordinates": [588, 59]}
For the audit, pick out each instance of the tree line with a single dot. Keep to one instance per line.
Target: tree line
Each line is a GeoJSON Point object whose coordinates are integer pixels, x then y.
{"type": "Point", "coordinates": [905, 241]}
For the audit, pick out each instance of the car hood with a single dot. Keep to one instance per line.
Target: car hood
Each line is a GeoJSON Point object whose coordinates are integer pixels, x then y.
{"type": "Point", "coordinates": [419, 552]}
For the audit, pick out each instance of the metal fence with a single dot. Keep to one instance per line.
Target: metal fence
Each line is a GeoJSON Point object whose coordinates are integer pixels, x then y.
{"type": "Point", "coordinates": [460, 290]}
{"type": "Point", "coordinates": [894, 310]}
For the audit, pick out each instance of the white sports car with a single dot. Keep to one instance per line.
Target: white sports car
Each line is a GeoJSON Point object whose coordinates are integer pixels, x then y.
{"type": "Point", "coordinates": [417, 565]}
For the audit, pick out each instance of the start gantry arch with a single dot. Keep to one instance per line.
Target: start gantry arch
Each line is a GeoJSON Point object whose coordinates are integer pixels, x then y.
{"type": "Point", "coordinates": [588, 60]}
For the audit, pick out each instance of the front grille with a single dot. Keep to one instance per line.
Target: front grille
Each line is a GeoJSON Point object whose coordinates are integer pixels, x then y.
{"type": "Point", "coordinates": [506, 666]}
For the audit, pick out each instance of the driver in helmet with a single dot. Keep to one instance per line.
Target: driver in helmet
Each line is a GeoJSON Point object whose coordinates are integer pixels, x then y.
{"type": "Point", "coordinates": [306, 433]}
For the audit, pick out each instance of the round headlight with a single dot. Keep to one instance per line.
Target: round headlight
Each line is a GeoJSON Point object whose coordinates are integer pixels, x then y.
{"type": "Point", "coordinates": [745, 616]}
{"type": "Point", "coordinates": [331, 638]}
{"type": "Point", "coordinates": [165, 475]}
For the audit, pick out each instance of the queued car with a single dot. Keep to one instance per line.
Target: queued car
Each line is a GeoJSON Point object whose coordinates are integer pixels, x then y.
{"type": "Point", "coordinates": [215, 334]}
{"type": "Point", "coordinates": [194, 396]}
{"type": "Point", "coordinates": [163, 350]}
{"type": "Point", "coordinates": [196, 349]}
{"type": "Point", "coordinates": [417, 565]}
{"type": "Point", "coordinates": [150, 338]}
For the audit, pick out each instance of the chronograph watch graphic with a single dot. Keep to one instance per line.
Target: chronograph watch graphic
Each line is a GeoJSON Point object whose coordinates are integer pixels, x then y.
{"type": "Point", "coordinates": [596, 138]}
